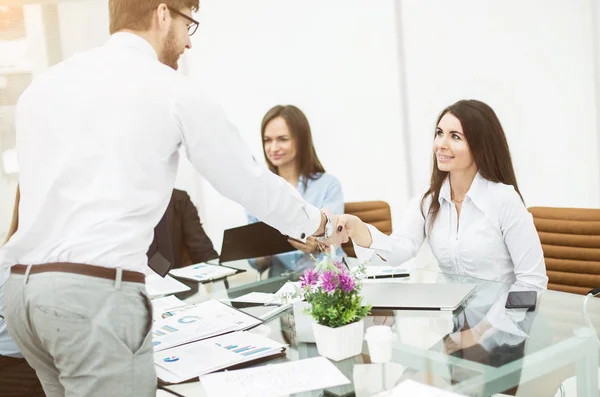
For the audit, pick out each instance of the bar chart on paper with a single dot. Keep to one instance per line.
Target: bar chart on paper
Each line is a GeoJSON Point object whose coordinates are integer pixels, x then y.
{"type": "Point", "coordinates": [194, 359]}
{"type": "Point", "coordinates": [197, 322]}
{"type": "Point", "coordinates": [246, 351]}
{"type": "Point", "coordinates": [203, 272]}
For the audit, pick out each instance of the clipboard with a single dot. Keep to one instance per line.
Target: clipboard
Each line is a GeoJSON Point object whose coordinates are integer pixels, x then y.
{"type": "Point", "coordinates": [208, 280]}
{"type": "Point", "coordinates": [253, 241]}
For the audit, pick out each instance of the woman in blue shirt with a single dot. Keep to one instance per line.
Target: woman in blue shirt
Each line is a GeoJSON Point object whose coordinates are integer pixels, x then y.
{"type": "Point", "coordinates": [289, 152]}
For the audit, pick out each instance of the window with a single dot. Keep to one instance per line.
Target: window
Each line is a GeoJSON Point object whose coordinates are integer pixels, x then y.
{"type": "Point", "coordinates": [33, 37]}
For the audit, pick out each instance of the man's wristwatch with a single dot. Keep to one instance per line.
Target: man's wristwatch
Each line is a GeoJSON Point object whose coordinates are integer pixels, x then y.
{"type": "Point", "coordinates": [328, 229]}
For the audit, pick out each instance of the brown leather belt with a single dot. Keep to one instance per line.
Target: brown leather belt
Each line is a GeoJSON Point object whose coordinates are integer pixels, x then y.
{"type": "Point", "coordinates": [79, 268]}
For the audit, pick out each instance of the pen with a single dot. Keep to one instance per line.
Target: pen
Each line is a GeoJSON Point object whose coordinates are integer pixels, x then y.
{"type": "Point", "coordinates": [345, 263]}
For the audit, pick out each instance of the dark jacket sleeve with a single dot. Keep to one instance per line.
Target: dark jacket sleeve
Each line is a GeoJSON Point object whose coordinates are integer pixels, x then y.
{"type": "Point", "coordinates": [198, 245]}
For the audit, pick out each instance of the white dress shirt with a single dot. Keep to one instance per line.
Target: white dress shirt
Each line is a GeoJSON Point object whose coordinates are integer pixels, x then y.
{"type": "Point", "coordinates": [494, 240]}
{"type": "Point", "coordinates": [97, 143]}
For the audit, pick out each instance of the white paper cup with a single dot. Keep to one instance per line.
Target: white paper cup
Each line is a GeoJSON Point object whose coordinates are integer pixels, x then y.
{"type": "Point", "coordinates": [379, 339]}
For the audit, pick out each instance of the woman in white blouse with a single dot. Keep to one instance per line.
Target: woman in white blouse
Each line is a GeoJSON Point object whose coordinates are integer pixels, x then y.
{"type": "Point", "coordinates": [472, 214]}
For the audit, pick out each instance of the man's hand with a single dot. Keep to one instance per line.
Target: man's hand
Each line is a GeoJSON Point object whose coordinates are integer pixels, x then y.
{"type": "Point", "coordinates": [310, 246]}
{"type": "Point", "coordinates": [340, 235]}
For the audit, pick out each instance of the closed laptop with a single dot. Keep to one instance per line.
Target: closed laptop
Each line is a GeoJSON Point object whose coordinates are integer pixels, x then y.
{"type": "Point", "coordinates": [416, 296]}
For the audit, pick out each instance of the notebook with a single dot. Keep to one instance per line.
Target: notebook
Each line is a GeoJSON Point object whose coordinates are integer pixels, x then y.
{"type": "Point", "coordinates": [253, 241]}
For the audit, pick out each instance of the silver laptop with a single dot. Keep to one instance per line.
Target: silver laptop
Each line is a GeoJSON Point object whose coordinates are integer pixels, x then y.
{"type": "Point", "coordinates": [415, 296]}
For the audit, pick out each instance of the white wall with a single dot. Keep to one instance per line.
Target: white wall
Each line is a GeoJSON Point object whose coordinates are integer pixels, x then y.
{"type": "Point", "coordinates": [336, 60]}
{"type": "Point", "coordinates": [34, 61]}
{"type": "Point", "coordinates": [83, 25]}
{"type": "Point", "coordinates": [533, 62]}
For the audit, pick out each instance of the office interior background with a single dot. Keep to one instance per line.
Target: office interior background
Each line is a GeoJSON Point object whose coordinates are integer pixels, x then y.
{"type": "Point", "coordinates": [371, 76]}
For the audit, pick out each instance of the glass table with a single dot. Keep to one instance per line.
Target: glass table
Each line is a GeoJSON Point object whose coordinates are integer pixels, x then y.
{"type": "Point", "coordinates": [478, 350]}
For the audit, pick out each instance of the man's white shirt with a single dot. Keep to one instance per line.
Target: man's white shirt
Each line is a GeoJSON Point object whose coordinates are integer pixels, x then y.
{"type": "Point", "coordinates": [97, 143]}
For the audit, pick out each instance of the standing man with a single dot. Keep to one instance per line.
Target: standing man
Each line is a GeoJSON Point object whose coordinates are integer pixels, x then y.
{"type": "Point", "coordinates": [97, 139]}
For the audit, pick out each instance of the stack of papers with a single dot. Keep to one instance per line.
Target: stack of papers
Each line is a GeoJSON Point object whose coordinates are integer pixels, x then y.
{"type": "Point", "coordinates": [158, 286]}
{"type": "Point", "coordinates": [275, 380]}
{"type": "Point", "coordinates": [195, 322]}
{"type": "Point", "coordinates": [203, 272]}
{"type": "Point", "coordinates": [189, 361]}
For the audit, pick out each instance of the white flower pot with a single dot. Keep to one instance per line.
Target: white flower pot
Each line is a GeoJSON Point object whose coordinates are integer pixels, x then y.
{"type": "Point", "coordinates": [339, 343]}
{"type": "Point", "coordinates": [304, 323]}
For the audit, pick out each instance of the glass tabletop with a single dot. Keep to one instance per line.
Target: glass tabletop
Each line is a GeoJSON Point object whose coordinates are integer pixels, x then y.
{"type": "Point", "coordinates": [480, 349]}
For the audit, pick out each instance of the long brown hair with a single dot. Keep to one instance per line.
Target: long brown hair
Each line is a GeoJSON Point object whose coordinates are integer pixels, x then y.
{"type": "Point", "coordinates": [14, 224]}
{"type": "Point", "coordinates": [307, 162]}
{"type": "Point", "coordinates": [488, 146]}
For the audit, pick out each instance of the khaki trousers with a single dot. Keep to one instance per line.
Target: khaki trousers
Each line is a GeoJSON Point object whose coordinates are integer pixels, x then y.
{"type": "Point", "coordinates": [84, 336]}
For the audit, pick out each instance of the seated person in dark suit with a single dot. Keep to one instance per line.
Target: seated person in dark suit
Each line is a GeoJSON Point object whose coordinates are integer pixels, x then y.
{"type": "Point", "coordinates": [188, 242]}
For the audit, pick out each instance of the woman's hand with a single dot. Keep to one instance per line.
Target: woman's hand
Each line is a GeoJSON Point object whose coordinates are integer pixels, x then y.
{"type": "Point", "coordinates": [310, 246]}
{"type": "Point", "coordinates": [356, 229]}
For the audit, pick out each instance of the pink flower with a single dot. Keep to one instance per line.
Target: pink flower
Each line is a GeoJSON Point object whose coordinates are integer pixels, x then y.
{"type": "Point", "coordinates": [340, 266]}
{"type": "Point", "coordinates": [347, 282]}
{"type": "Point", "coordinates": [329, 281]}
{"type": "Point", "coordinates": [309, 278]}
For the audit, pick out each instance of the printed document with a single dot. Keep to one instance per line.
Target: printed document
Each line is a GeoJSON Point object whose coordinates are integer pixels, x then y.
{"type": "Point", "coordinates": [196, 322]}
{"type": "Point", "coordinates": [158, 286]}
{"type": "Point", "coordinates": [203, 272]}
{"type": "Point", "coordinates": [188, 361]}
{"type": "Point", "coordinates": [275, 380]}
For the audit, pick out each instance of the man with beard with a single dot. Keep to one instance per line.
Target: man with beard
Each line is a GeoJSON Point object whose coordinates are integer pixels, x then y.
{"type": "Point", "coordinates": [98, 139]}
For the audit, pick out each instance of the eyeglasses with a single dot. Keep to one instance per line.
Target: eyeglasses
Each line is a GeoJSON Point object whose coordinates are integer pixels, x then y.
{"type": "Point", "coordinates": [192, 26]}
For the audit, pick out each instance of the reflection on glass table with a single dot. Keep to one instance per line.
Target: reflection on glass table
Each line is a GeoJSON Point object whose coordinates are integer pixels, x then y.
{"type": "Point", "coordinates": [480, 349]}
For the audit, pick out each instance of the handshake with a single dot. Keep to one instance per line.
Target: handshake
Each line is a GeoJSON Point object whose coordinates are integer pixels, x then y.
{"type": "Point", "coordinates": [333, 231]}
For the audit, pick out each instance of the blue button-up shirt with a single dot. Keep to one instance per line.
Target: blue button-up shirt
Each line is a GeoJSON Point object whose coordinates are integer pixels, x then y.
{"type": "Point", "coordinates": [323, 192]}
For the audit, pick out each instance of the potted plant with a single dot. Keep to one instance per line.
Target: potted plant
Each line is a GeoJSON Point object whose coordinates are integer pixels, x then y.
{"type": "Point", "coordinates": [332, 293]}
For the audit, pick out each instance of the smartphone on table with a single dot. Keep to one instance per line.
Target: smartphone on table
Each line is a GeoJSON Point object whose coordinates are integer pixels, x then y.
{"type": "Point", "coordinates": [521, 300]}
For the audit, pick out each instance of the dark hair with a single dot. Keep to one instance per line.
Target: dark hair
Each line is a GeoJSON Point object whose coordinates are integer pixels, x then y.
{"type": "Point", "coordinates": [307, 162]}
{"type": "Point", "coordinates": [487, 144]}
